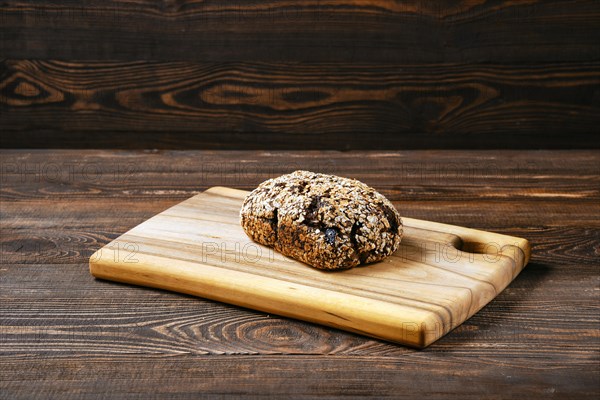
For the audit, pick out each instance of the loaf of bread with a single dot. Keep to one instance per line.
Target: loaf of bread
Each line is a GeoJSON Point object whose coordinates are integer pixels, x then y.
{"type": "Point", "coordinates": [325, 221]}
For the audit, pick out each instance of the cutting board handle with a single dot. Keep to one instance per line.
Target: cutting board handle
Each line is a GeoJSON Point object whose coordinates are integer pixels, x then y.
{"type": "Point", "coordinates": [471, 240]}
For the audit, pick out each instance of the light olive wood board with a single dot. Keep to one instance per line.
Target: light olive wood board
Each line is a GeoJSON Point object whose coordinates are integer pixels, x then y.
{"type": "Point", "coordinates": [427, 288]}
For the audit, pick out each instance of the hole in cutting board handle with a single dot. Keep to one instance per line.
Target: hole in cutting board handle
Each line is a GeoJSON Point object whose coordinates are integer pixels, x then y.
{"type": "Point", "coordinates": [479, 248]}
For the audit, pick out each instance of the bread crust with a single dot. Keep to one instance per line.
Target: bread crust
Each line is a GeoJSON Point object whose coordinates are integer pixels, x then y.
{"type": "Point", "coordinates": [325, 221]}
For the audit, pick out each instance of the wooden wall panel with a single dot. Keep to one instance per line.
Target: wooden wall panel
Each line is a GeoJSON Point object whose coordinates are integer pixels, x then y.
{"type": "Point", "coordinates": [311, 74]}
{"type": "Point", "coordinates": [311, 30]}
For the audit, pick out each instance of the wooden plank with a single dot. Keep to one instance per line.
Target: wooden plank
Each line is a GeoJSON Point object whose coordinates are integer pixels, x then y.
{"type": "Point", "coordinates": [344, 31]}
{"type": "Point", "coordinates": [183, 377]}
{"type": "Point", "coordinates": [37, 174]}
{"type": "Point", "coordinates": [288, 105]}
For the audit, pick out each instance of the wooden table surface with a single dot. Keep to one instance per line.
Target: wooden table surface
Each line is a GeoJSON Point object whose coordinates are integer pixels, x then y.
{"type": "Point", "coordinates": [65, 334]}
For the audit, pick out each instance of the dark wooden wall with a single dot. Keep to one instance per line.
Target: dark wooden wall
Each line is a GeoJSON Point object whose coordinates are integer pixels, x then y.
{"type": "Point", "coordinates": [337, 74]}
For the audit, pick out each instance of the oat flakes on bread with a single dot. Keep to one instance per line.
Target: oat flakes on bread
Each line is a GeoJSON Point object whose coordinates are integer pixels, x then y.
{"type": "Point", "coordinates": [325, 221]}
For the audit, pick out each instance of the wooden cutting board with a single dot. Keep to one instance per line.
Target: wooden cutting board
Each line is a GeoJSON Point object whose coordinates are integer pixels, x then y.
{"type": "Point", "coordinates": [440, 276]}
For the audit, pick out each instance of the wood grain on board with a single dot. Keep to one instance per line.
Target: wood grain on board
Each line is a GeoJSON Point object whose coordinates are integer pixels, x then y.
{"type": "Point", "coordinates": [440, 275]}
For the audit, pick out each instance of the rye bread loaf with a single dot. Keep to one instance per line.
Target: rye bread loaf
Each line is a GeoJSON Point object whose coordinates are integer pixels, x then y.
{"type": "Point", "coordinates": [325, 221]}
